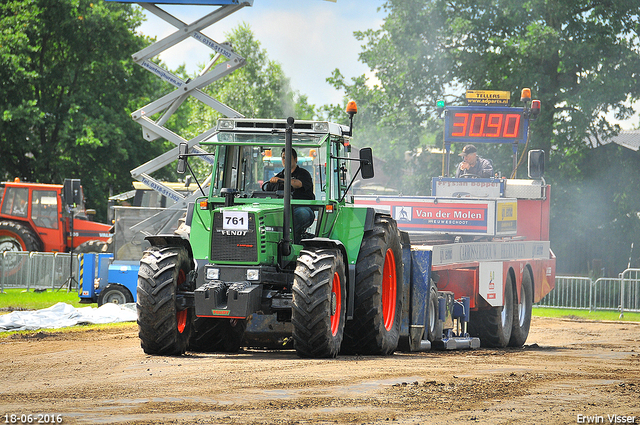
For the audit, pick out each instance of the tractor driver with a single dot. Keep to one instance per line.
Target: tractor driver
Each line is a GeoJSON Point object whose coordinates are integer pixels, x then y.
{"type": "Point", "coordinates": [301, 188]}
{"type": "Point", "coordinates": [473, 165]}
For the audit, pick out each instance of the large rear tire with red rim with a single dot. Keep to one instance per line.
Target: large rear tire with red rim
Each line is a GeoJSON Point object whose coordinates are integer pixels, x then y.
{"type": "Point", "coordinates": [16, 237]}
{"type": "Point", "coordinates": [319, 303]}
{"type": "Point", "coordinates": [163, 327]}
{"type": "Point", "coordinates": [375, 328]}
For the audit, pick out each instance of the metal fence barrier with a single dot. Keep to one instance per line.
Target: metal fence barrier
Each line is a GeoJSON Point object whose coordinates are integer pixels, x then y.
{"type": "Point", "coordinates": [38, 270]}
{"type": "Point", "coordinates": [50, 270]}
{"type": "Point", "coordinates": [619, 294]}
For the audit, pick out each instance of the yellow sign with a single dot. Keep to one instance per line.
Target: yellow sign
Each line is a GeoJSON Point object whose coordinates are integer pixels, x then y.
{"type": "Point", "coordinates": [506, 217]}
{"type": "Point", "coordinates": [488, 97]}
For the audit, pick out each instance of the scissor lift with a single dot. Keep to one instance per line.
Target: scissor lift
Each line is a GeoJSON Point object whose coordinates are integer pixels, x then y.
{"type": "Point", "coordinates": [167, 105]}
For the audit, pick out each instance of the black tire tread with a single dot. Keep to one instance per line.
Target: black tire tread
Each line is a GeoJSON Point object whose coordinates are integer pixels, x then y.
{"type": "Point", "coordinates": [157, 286]}
{"type": "Point", "coordinates": [366, 333]}
{"type": "Point", "coordinates": [487, 324]}
{"type": "Point", "coordinates": [24, 233]}
{"type": "Point", "coordinates": [434, 333]}
{"type": "Point", "coordinates": [311, 314]}
{"type": "Point", "coordinates": [519, 333]}
{"type": "Point", "coordinates": [93, 246]}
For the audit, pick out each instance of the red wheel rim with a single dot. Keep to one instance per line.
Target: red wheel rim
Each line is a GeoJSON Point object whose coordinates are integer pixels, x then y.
{"type": "Point", "coordinates": [336, 303]}
{"type": "Point", "coordinates": [389, 286]}
{"type": "Point", "coordinates": [181, 316]}
{"type": "Point", "coordinates": [4, 233]}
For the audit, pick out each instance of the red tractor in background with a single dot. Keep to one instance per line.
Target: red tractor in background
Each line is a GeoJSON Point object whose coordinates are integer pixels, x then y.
{"type": "Point", "coordinates": [48, 217]}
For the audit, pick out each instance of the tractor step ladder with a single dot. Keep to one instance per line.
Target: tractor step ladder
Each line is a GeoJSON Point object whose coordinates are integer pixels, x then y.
{"type": "Point", "coordinates": [167, 105]}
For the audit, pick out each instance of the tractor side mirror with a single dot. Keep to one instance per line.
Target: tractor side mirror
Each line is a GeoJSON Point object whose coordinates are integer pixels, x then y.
{"type": "Point", "coordinates": [536, 164]}
{"type": "Point", "coordinates": [183, 149]}
{"type": "Point", "coordinates": [366, 163]}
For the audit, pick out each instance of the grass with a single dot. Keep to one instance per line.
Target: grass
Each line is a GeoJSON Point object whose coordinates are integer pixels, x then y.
{"type": "Point", "coordinates": [585, 314]}
{"type": "Point", "coordinates": [20, 299]}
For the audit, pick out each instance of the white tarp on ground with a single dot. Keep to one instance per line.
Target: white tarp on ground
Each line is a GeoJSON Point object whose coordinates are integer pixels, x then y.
{"type": "Point", "coordinates": [62, 315]}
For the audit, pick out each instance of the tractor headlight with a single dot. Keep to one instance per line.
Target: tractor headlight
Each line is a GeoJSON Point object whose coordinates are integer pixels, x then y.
{"type": "Point", "coordinates": [225, 124]}
{"type": "Point", "coordinates": [253, 274]}
{"type": "Point", "coordinates": [321, 127]}
{"type": "Point", "coordinates": [212, 273]}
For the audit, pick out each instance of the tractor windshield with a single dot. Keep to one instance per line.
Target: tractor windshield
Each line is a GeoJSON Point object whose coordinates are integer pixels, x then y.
{"type": "Point", "coordinates": [253, 159]}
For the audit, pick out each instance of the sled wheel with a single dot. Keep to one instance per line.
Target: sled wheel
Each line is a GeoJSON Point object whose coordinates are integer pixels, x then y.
{"type": "Point", "coordinates": [522, 311]}
{"type": "Point", "coordinates": [434, 325]}
{"type": "Point", "coordinates": [163, 328]}
{"type": "Point", "coordinates": [318, 314]}
{"type": "Point", "coordinates": [493, 326]}
{"type": "Point", "coordinates": [375, 328]}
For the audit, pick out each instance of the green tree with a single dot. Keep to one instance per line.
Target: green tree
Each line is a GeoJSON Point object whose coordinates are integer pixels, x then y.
{"type": "Point", "coordinates": [67, 88]}
{"type": "Point", "coordinates": [580, 58]}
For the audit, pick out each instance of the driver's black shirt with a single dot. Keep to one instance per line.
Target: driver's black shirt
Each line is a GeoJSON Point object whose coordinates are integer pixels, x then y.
{"type": "Point", "coordinates": [482, 169]}
{"type": "Point", "coordinates": [304, 192]}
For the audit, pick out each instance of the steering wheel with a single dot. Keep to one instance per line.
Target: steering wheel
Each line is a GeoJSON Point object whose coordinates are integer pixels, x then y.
{"type": "Point", "coordinates": [469, 176]}
{"type": "Point", "coordinates": [267, 193]}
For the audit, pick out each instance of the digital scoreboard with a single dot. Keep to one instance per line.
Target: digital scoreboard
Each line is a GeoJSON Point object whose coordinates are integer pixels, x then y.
{"type": "Point", "coordinates": [485, 124]}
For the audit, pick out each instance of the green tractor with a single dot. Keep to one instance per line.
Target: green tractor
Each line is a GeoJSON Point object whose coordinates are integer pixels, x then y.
{"type": "Point", "coordinates": [333, 287]}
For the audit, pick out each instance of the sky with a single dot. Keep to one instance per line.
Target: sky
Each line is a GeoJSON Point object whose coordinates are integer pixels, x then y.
{"type": "Point", "coordinates": [309, 38]}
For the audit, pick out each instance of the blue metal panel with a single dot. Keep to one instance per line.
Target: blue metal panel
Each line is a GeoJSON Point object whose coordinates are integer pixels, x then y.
{"type": "Point", "coordinates": [420, 285]}
{"type": "Point", "coordinates": [92, 267]}
{"type": "Point", "coordinates": [126, 274]}
{"type": "Point", "coordinates": [406, 289]}
{"type": "Point", "coordinates": [461, 309]}
{"type": "Point", "coordinates": [86, 273]}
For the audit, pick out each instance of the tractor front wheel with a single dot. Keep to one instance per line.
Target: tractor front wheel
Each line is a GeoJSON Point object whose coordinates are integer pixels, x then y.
{"type": "Point", "coordinates": [319, 303]}
{"type": "Point", "coordinates": [164, 329]}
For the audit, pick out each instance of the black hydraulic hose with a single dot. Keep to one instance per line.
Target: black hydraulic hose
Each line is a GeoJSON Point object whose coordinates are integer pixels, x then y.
{"type": "Point", "coordinates": [286, 231]}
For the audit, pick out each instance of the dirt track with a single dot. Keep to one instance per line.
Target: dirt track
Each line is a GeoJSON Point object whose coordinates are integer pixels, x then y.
{"type": "Point", "coordinates": [568, 368]}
